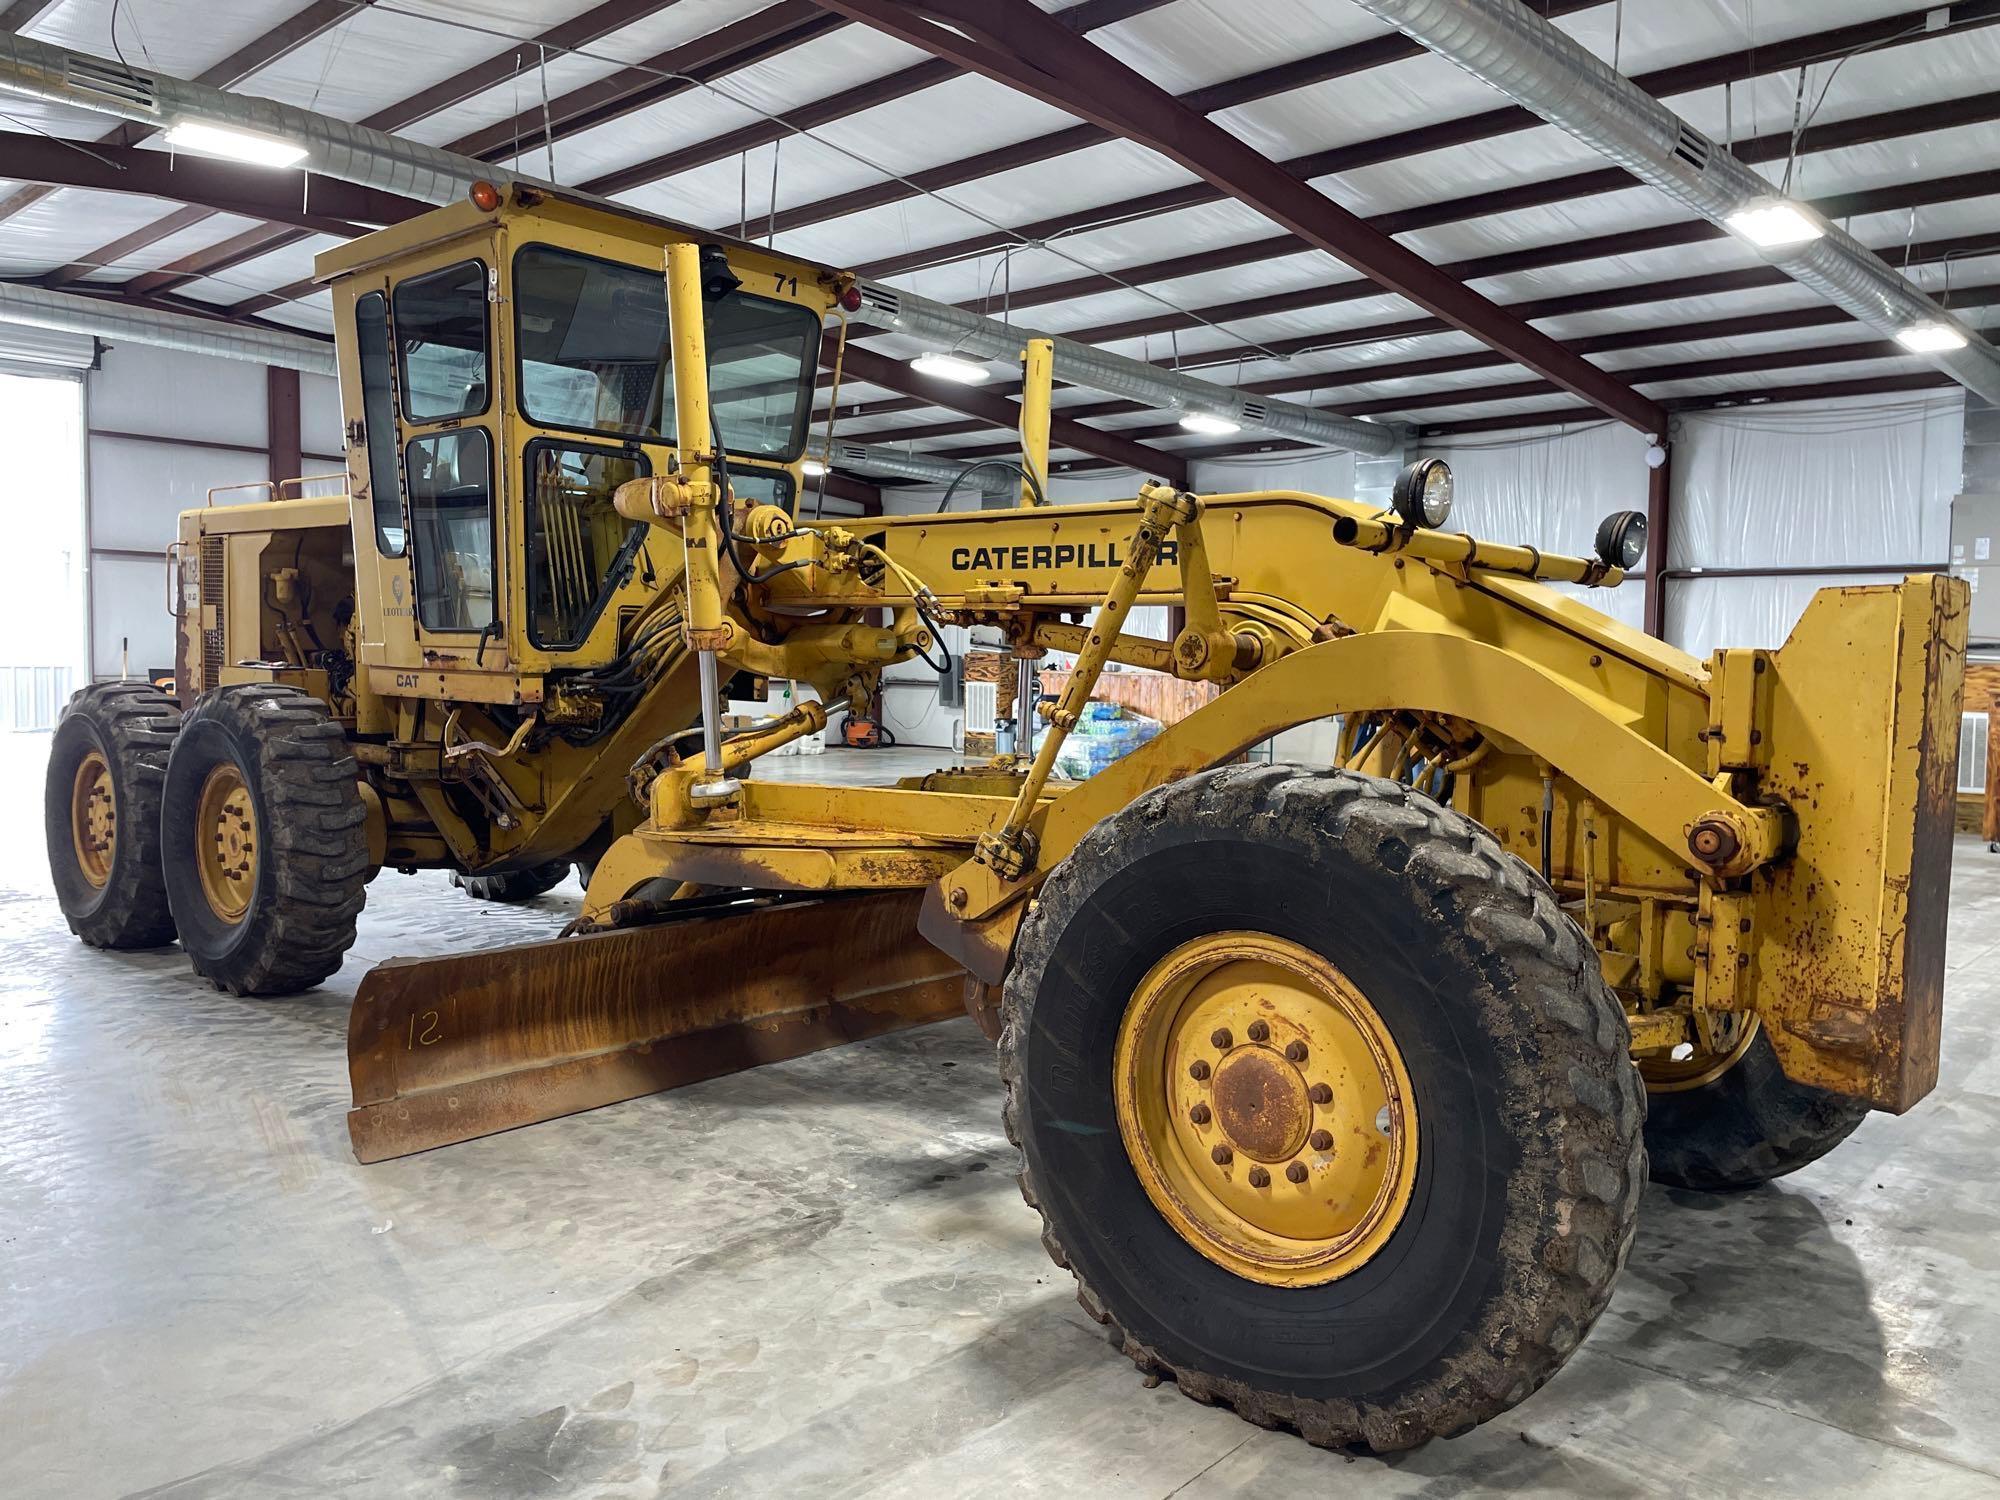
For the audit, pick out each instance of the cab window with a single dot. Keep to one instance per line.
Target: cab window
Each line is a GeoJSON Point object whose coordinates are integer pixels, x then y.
{"type": "Point", "coordinates": [378, 417]}
{"type": "Point", "coordinates": [580, 550]}
{"type": "Point", "coordinates": [442, 345]}
{"type": "Point", "coordinates": [595, 355]}
{"type": "Point", "coordinates": [450, 480]}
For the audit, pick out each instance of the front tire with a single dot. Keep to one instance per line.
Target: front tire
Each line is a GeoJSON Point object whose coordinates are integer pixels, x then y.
{"type": "Point", "coordinates": [1743, 1127]}
{"type": "Point", "coordinates": [1523, 1125]}
{"type": "Point", "coordinates": [101, 812]}
{"type": "Point", "coordinates": [264, 847]}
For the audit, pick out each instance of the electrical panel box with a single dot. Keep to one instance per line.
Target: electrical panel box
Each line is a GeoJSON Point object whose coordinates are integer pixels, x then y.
{"type": "Point", "coordinates": [1975, 557]}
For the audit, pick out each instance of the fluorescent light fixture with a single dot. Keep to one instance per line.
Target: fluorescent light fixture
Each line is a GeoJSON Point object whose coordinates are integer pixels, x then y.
{"type": "Point", "coordinates": [813, 468]}
{"type": "Point", "coordinates": [951, 367]}
{"type": "Point", "coordinates": [1201, 421]}
{"type": "Point", "coordinates": [237, 145]}
{"type": "Point", "coordinates": [1773, 223]}
{"type": "Point", "coordinates": [1930, 338]}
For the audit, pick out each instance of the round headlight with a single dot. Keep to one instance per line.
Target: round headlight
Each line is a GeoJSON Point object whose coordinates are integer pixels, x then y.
{"type": "Point", "coordinates": [1621, 539]}
{"type": "Point", "coordinates": [1422, 496]}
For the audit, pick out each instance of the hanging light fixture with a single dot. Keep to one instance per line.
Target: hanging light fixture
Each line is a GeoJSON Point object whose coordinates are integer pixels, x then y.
{"type": "Point", "coordinates": [1930, 338]}
{"type": "Point", "coordinates": [951, 367]}
{"type": "Point", "coordinates": [1774, 223]}
{"type": "Point", "coordinates": [236, 145]}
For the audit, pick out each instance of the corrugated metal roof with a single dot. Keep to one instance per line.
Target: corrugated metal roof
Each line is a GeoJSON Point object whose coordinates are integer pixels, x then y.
{"type": "Point", "coordinates": [388, 51]}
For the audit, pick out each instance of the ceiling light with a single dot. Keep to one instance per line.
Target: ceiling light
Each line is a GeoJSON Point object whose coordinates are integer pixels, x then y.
{"type": "Point", "coordinates": [1772, 223]}
{"type": "Point", "coordinates": [813, 467]}
{"type": "Point", "coordinates": [237, 145]}
{"type": "Point", "coordinates": [951, 367]}
{"type": "Point", "coordinates": [1201, 421]}
{"type": "Point", "coordinates": [1930, 338]}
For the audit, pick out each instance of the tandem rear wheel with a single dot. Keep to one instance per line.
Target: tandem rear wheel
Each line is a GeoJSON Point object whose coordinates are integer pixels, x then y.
{"type": "Point", "coordinates": [1325, 1103]}
{"type": "Point", "coordinates": [262, 841]}
{"type": "Point", "coordinates": [101, 808]}
{"type": "Point", "coordinates": [1731, 1120]}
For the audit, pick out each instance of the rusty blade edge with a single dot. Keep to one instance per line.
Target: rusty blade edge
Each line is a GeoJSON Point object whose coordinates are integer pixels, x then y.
{"type": "Point", "coordinates": [443, 1116]}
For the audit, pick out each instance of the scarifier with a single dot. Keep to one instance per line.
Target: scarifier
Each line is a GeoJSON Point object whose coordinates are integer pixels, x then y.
{"type": "Point", "coordinates": [1331, 1084]}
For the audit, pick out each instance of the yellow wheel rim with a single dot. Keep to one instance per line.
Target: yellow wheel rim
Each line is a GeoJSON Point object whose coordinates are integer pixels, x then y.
{"type": "Point", "coordinates": [93, 818]}
{"type": "Point", "coordinates": [1266, 1109]}
{"type": "Point", "coordinates": [1723, 1038]}
{"type": "Point", "coordinates": [225, 831]}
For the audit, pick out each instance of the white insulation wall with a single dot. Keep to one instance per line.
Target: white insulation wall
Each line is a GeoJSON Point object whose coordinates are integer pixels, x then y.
{"type": "Point", "coordinates": [213, 414]}
{"type": "Point", "coordinates": [1860, 482]}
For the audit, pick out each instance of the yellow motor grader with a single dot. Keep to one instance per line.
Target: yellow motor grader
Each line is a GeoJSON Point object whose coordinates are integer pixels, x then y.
{"type": "Point", "coordinates": [1335, 1086]}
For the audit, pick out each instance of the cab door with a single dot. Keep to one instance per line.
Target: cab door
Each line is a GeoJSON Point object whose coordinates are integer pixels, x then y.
{"type": "Point", "coordinates": [445, 375]}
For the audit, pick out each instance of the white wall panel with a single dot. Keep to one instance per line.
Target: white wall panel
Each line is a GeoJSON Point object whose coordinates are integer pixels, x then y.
{"type": "Point", "coordinates": [128, 603]}
{"type": "Point", "coordinates": [1857, 481]}
{"type": "Point", "coordinates": [1316, 473]}
{"type": "Point", "coordinates": [136, 488]}
{"type": "Point", "coordinates": [170, 394]}
{"type": "Point", "coordinates": [1550, 490]}
{"type": "Point", "coordinates": [319, 419]}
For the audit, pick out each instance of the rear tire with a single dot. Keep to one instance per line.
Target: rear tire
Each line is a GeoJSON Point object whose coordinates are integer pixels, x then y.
{"type": "Point", "coordinates": [1528, 1114]}
{"type": "Point", "coordinates": [515, 885]}
{"type": "Point", "coordinates": [107, 767]}
{"type": "Point", "coordinates": [1745, 1127]}
{"type": "Point", "coordinates": [271, 910]}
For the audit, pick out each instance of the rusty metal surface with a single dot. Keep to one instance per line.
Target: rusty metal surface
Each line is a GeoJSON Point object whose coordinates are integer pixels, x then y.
{"type": "Point", "coordinates": [445, 1050]}
{"type": "Point", "coordinates": [1848, 933]}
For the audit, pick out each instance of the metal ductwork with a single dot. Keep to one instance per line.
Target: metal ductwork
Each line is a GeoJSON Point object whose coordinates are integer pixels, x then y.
{"type": "Point", "coordinates": [336, 148]}
{"type": "Point", "coordinates": [1506, 45]}
{"type": "Point", "coordinates": [895, 463]}
{"type": "Point", "coordinates": [957, 331]}
{"type": "Point", "coordinates": [40, 308]}
{"type": "Point", "coordinates": [354, 153]}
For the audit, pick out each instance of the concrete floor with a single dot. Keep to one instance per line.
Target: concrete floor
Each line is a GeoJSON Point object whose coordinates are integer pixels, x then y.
{"type": "Point", "coordinates": [818, 1278]}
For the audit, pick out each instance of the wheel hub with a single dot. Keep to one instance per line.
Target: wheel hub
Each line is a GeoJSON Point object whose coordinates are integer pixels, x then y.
{"type": "Point", "coordinates": [226, 839]}
{"type": "Point", "coordinates": [1261, 1104]}
{"type": "Point", "coordinates": [1265, 1108]}
{"type": "Point", "coordinates": [93, 820]}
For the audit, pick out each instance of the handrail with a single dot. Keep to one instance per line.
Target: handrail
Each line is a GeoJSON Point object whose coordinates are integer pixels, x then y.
{"type": "Point", "coordinates": [274, 489]}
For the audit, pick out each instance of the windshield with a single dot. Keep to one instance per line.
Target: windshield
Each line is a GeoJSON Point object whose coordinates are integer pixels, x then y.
{"type": "Point", "coordinates": [595, 355]}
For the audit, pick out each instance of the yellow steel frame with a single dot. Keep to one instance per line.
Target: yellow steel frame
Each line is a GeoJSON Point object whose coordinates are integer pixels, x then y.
{"type": "Point", "coordinates": [1655, 770]}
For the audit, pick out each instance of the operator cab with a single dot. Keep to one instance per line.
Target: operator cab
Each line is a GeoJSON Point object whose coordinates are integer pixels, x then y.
{"type": "Point", "coordinates": [503, 371]}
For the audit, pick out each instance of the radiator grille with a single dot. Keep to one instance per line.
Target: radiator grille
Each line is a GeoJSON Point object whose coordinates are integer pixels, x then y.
{"type": "Point", "coordinates": [214, 577]}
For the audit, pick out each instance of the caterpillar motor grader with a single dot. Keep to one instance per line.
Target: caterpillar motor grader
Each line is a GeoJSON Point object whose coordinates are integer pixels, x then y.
{"type": "Point", "coordinates": [1334, 1086]}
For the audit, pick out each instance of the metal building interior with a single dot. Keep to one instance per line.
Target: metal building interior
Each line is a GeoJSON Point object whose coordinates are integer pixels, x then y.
{"type": "Point", "coordinates": [1725, 268]}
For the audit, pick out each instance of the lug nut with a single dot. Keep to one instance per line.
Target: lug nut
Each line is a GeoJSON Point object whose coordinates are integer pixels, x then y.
{"type": "Point", "coordinates": [1296, 1051]}
{"type": "Point", "coordinates": [1296, 1172]}
{"type": "Point", "coordinates": [1259, 1032]}
{"type": "Point", "coordinates": [1259, 1177]}
{"type": "Point", "coordinates": [1199, 1114]}
{"type": "Point", "coordinates": [1321, 1140]}
{"type": "Point", "coordinates": [1319, 1093]}
{"type": "Point", "coordinates": [1198, 1069]}
{"type": "Point", "coordinates": [1220, 1155]}
{"type": "Point", "coordinates": [1220, 1038]}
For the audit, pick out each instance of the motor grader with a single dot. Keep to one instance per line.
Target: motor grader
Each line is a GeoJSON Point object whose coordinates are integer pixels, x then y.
{"type": "Point", "coordinates": [1335, 1086]}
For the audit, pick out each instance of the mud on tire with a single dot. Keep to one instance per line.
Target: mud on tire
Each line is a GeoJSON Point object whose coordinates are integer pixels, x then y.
{"type": "Point", "coordinates": [312, 853]}
{"type": "Point", "coordinates": [1530, 1114]}
{"type": "Point", "coordinates": [130, 727]}
{"type": "Point", "coordinates": [1744, 1128]}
